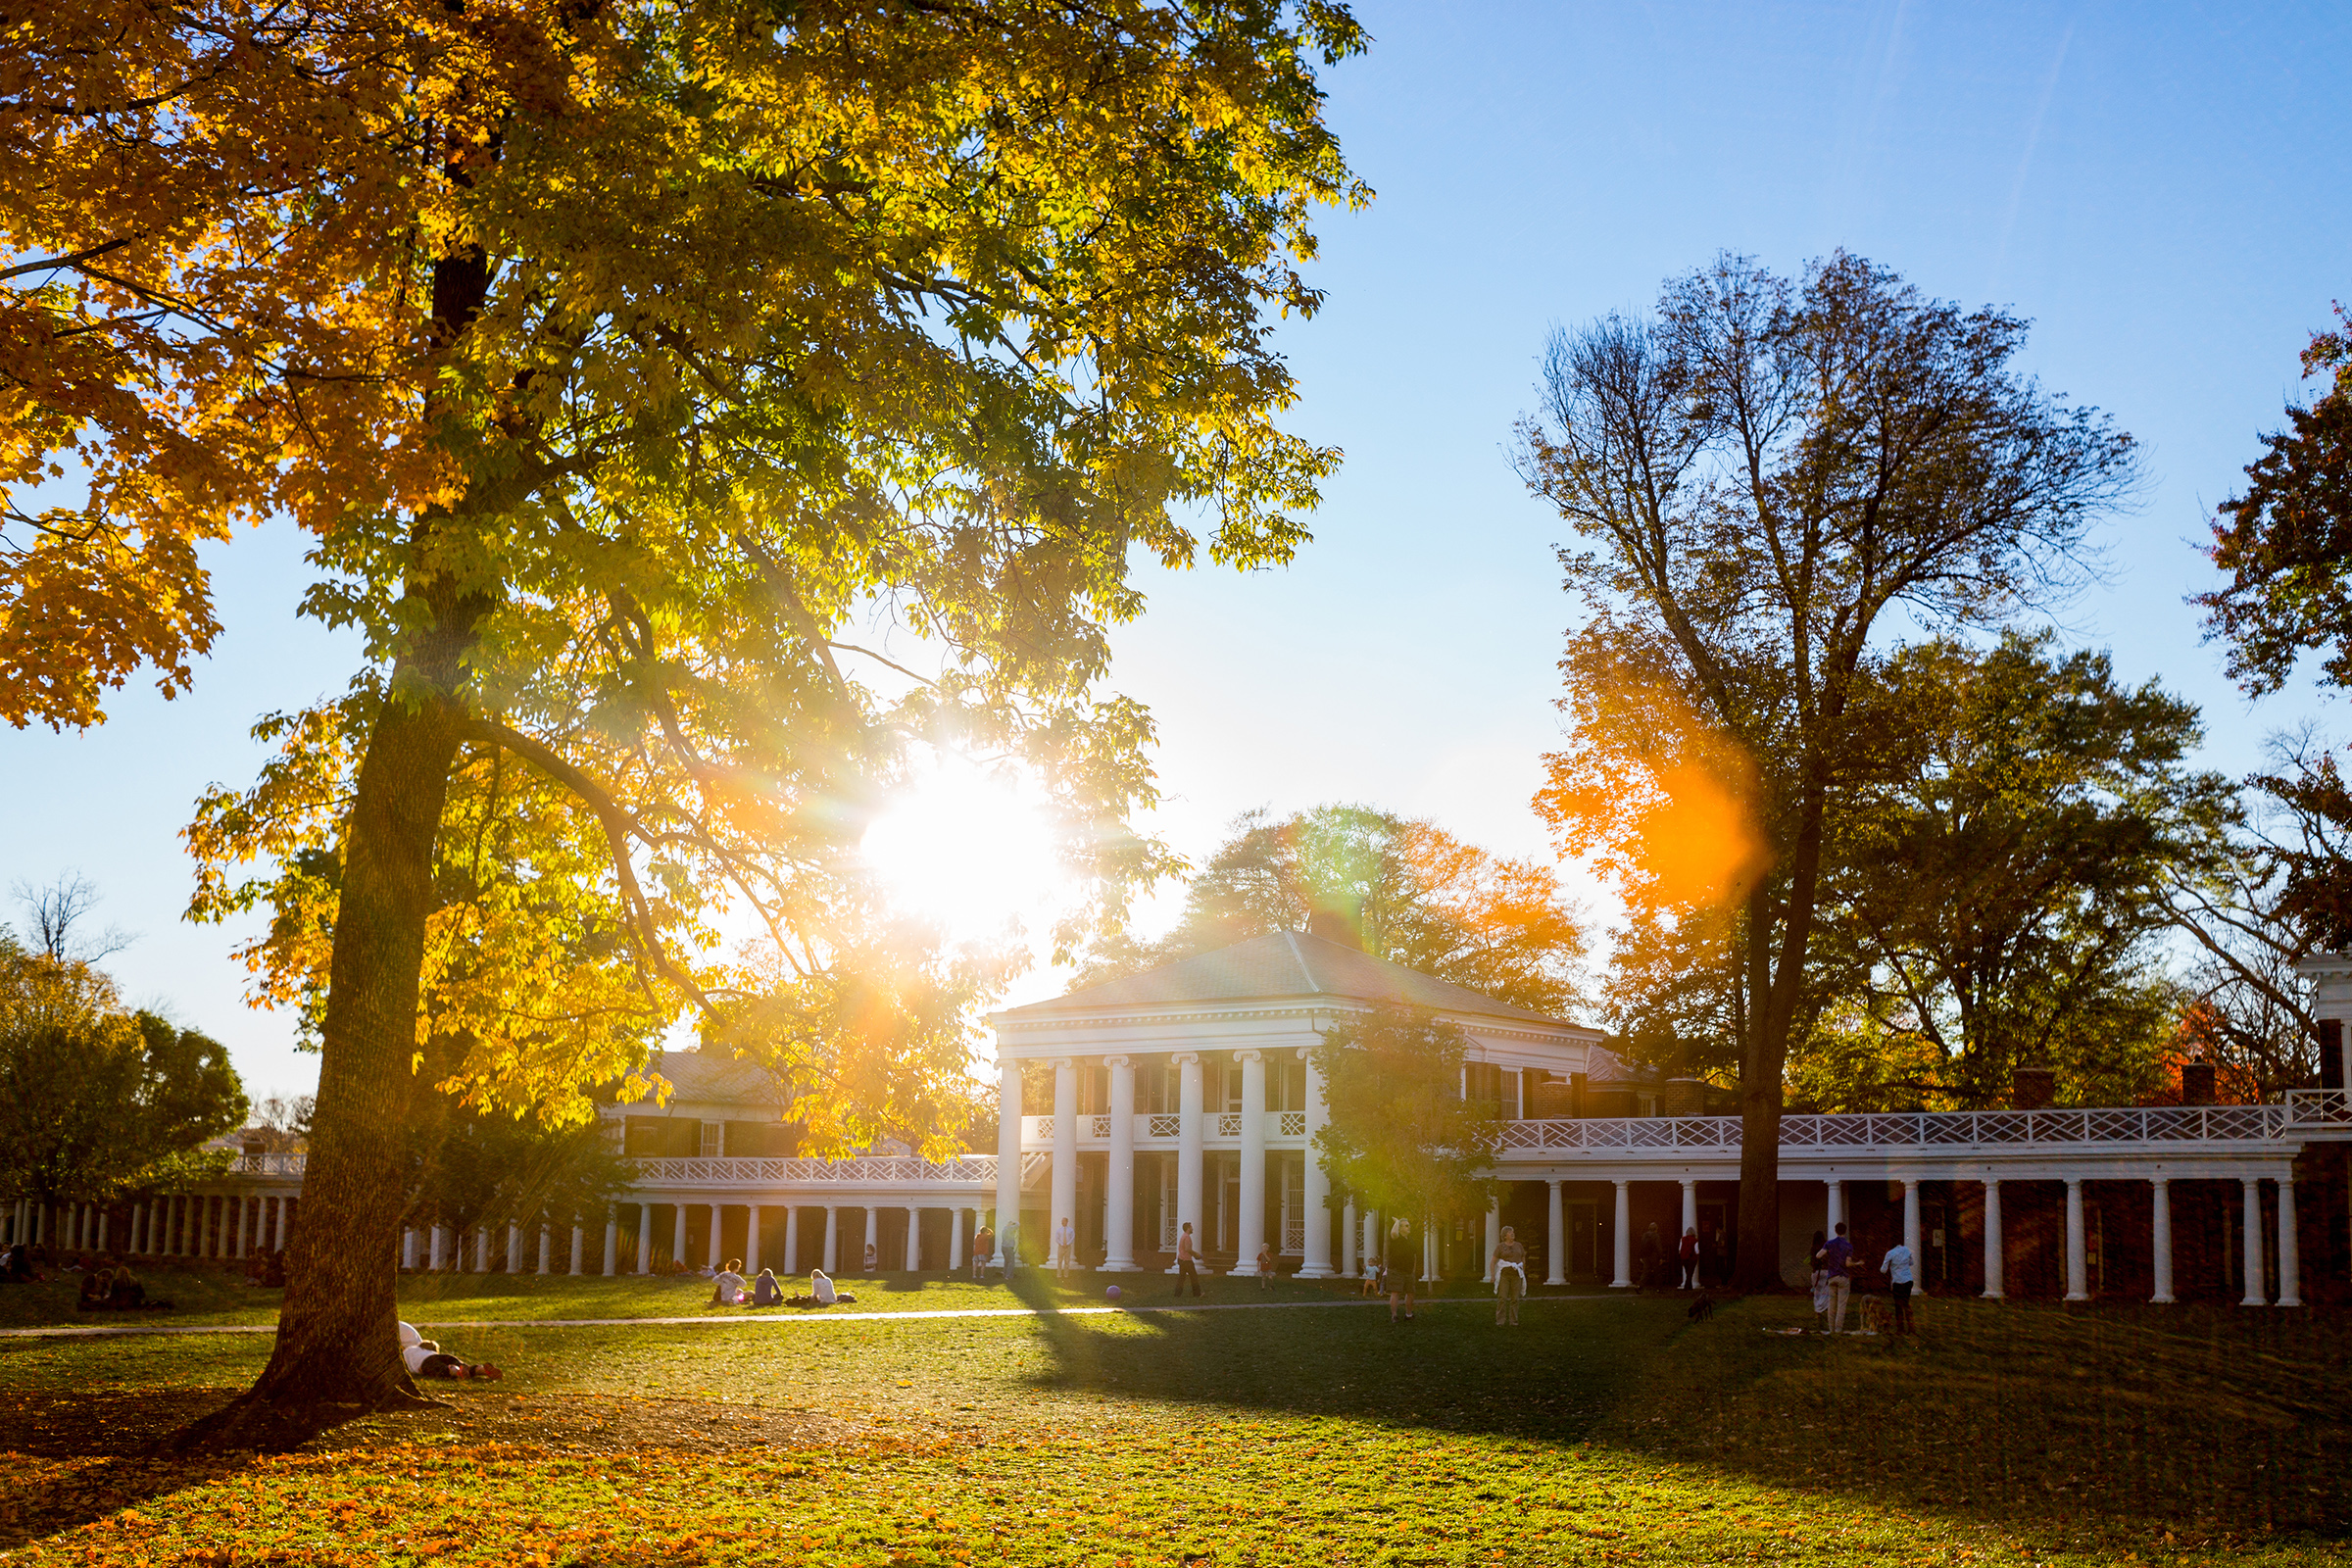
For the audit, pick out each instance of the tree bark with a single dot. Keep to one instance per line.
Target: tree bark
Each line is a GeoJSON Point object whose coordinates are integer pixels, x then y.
{"type": "Point", "coordinates": [1757, 1264]}
{"type": "Point", "coordinates": [337, 1344]}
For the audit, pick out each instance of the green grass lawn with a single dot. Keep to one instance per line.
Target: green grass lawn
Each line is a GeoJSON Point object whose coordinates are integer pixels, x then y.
{"type": "Point", "coordinates": [1599, 1432]}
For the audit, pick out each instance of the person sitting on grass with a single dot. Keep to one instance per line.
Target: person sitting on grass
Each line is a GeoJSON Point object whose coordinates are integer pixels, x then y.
{"type": "Point", "coordinates": [820, 1292]}
{"type": "Point", "coordinates": [874, 1260]}
{"type": "Point", "coordinates": [726, 1289]}
{"type": "Point", "coordinates": [426, 1360]}
{"type": "Point", "coordinates": [766, 1292]}
{"type": "Point", "coordinates": [94, 1283]}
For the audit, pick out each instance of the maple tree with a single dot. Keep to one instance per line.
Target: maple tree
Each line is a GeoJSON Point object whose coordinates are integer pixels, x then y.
{"type": "Point", "coordinates": [700, 409]}
{"type": "Point", "coordinates": [1758, 479]}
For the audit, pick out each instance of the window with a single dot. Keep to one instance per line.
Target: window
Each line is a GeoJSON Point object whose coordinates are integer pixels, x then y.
{"type": "Point", "coordinates": [713, 1139]}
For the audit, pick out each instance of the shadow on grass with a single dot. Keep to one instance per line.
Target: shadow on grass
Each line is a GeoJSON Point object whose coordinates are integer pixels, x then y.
{"type": "Point", "coordinates": [2186, 1418]}
{"type": "Point", "coordinates": [102, 1449]}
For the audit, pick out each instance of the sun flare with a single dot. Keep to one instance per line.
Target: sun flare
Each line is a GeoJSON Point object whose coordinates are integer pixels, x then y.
{"type": "Point", "coordinates": [968, 850]}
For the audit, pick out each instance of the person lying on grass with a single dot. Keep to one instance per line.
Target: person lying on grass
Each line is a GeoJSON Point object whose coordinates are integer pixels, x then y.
{"type": "Point", "coordinates": [820, 1292]}
{"type": "Point", "coordinates": [426, 1360]}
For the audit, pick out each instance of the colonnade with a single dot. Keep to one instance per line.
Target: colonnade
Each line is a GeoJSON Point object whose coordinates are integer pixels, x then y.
{"type": "Point", "coordinates": [1191, 1138]}
{"type": "Point", "coordinates": [440, 1246]}
{"type": "Point", "coordinates": [1361, 1236]}
{"type": "Point", "coordinates": [200, 1225]}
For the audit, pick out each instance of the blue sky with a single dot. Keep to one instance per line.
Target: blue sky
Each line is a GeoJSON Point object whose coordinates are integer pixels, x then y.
{"type": "Point", "coordinates": [2157, 187]}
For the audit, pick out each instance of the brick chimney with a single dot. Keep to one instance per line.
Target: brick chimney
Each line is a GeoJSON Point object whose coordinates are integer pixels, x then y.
{"type": "Point", "coordinates": [1342, 927]}
{"type": "Point", "coordinates": [2033, 1089]}
{"type": "Point", "coordinates": [2196, 1082]}
{"type": "Point", "coordinates": [1680, 1097]}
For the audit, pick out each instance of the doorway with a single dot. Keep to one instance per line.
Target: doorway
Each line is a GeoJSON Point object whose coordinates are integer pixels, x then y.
{"type": "Point", "coordinates": [1584, 1240]}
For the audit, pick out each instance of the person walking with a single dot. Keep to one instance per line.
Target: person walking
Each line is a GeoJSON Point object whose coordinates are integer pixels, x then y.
{"type": "Point", "coordinates": [1400, 1261]}
{"type": "Point", "coordinates": [1689, 1257]}
{"type": "Point", "coordinates": [1065, 1249]}
{"type": "Point", "coordinates": [1899, 1266]}
{"type": "Point", "coordinates": [1838, 1262]}
{"type": "Point", "coordinates": [1266, 1265]}
{"type": "Point", "coordinates": [1511, 1277]}
{"type": "Point", "coordinates": [1187, 1258]}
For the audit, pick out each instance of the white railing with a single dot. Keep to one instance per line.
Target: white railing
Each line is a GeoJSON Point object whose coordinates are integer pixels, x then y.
{"type": "Point", "coordinates": [284, 1164]}
{"type": "Point", "coordinates": [1158, 1125]}
{"type": "Point", "coordinates": [1293, 1238]}
{"type": "Point", "coordinates": [1930, 1129]}
{"type": "Point", "coordinates": [2318, 1107]}
{"type": "Point", "coordinates": [1292, 1124]}
{"type": "Point", "coordinates": [748, 1171]}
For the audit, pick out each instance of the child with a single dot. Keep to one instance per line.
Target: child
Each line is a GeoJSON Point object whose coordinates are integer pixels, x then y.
{"type": "Point", "coordinates": [1266, 1265]}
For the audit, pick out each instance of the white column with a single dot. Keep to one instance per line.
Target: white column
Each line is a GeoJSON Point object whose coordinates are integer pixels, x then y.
{"type": "Point", "coordinates": [580, 1250]}
{"type": "Point", "coordinates": [547, 1243]}
{"type": "Point", "coordinates": [2291, 1262]}
{"type": "Point", "coordinates": [1689, 1214]}
{"type": "Point", "coordinates": [915, 1240]}
{"type": "Point", "coordinates": [283, 1205]}
{"type": "Point", "coordinates": [717, 1214]}
{"type": "Point", "coordinates": [645, 1238]}
{"type": "Point", "coordinates": [434, 1250]}
{"type": "Point", "coordinates": [1992, 1240]}
{"type": "Point", "coordinates": [1836, 1205]}
{"type": "Point", "coordinates": [1064, 1201]}
{"type": "Point", "coordinates": [482, 1251]}
{"type": "Point", "coordinates": [1316, 1264]}
{"type": "Point", "coordinates": [2160, 1237]}
{"type": "Point", "coordinates": [1118, 1186]}
{"type": "Point", "coordinates": [1348, 1239]}
{"type": "Point", "coordinates": [1493, 1236]}
{"type": "Point", "coordinates": [956, 1239]}
{"type": "Point", "coordinates": [1911, 1236]}
{"type": "Point", "coordinates": [513, 1248]}
{"type": "Point", "coordinates": [1625, 1238]}
{"type": "Point", "coordinates": [832, 1259]}
{"type": "Point", "coordinates": [1429, 1250]}
{"type": "Point", "coordinates": [105, 1215]}
{"type": "Point", "coordinates": [751, 1242]}
{"type": "Point", "coordinates": [1188, 1149]}
{"type": "Point", "coordinates": [612, 1244]}
{"type": "Point", "coordinates": [792, 1237]}
{"type": "Point", "coordinates": [1251, 1231]}
{"type": "Point", "coordinates": [2252, 1249]}
{"type": "Point", "coordinates": [1008, 1154]}
{"type": "Point", "coordinates": [408, 1247]}
{"type": "Point", "coordinates": [1557, 1253]}
{"type": "Point", "coordinates": [873, 1236]}
{"type": "Point", "coordinates": [677, 1232]}
{"type": "Point", "coordinates": [2077, 1272]}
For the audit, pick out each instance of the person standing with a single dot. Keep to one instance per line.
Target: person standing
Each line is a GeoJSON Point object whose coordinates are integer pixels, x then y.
{"type": "Point", "coordinates": [1065, 1249]}
{"type": "Point", "coordinates": [1400, 1261]}
{"type": "Point", "coordinates": [1899, 1266]}
{"type": "Point", "coordinates": [984, 1247]}
{"type": "Point", "coordinates": [1511, 1277]}
{"type": "Point", "coordinates": [1187, 1260]}
{"type": "Point", "coordinates": [1838, 1262]}
{"type": "Point", "coordinates": [1266, 1265]}
{"type": "Point", "coordinates": [1688, 1258]}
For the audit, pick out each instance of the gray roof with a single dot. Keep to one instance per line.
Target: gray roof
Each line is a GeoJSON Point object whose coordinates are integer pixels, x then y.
{"type": "Point", "coordinates": [698, 1075]}
{"type": "Point", "coordinates": [1286, 966]}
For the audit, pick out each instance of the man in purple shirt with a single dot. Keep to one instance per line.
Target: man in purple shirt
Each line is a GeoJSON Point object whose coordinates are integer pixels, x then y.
{"type": "Point", "coordinates": [1837, 1259]}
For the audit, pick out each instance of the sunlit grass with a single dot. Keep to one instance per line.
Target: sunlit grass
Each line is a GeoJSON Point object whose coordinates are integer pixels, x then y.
{"type": "Point", "coordinates": [1600, 1431]}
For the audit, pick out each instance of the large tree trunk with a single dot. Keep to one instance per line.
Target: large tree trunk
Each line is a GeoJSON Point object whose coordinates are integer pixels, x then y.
{"type": "Point", "coordinates": [338, 1350]}
{"type": "Point", "coordinates": [1757, 1264]}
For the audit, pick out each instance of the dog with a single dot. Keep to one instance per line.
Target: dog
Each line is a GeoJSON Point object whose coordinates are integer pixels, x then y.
{"type": "Point", "coordinates": [1703, 1309]}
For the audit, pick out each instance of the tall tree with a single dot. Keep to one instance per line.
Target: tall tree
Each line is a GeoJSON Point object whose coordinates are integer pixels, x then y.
{"type": "Point", "coordinates": [1758, 480]}
{"type": "Point", "coordinates": [699, 408]}
{"type": "Point", "coordinates": [1999, 887]}
{"type": "Point", "coordinates": [1412, 891]}
{"type": "Point", "coordinates": [1397, 1132]}
{"type": "Point", "coordinates": [96, 1101]}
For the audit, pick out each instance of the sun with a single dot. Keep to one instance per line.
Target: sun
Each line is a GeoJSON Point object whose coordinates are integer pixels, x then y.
{"type": "Point", "coordinates": [968, 850]}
